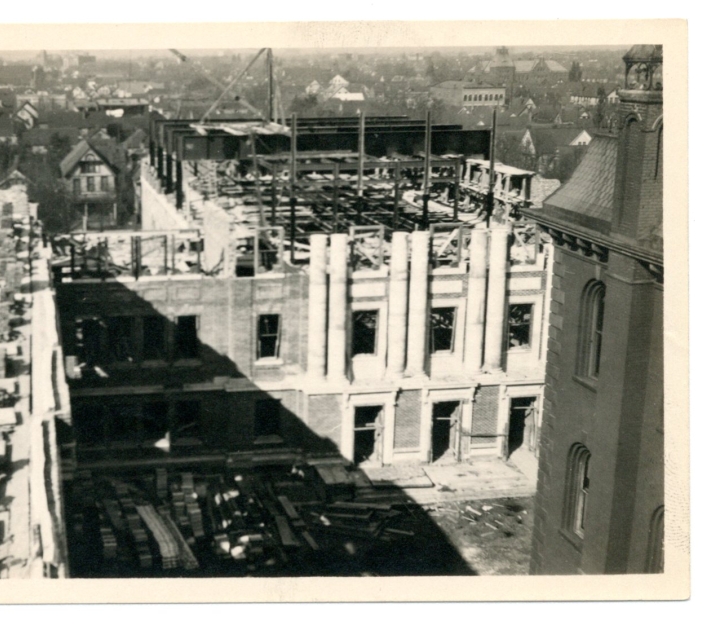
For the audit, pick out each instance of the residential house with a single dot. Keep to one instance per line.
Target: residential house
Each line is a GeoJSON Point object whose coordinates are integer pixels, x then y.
{"type": "Point", "coordinates": [313, 88]}
{"type": "Point", "coordinates": [545, 148]}
{"type": "Point", "coordinates": [94, 173]}
{"type": "Point", "coordinates": [27, 114]}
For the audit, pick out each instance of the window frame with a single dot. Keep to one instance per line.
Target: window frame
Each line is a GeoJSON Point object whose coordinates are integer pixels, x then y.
{"type": "Point", "coordinates": [577, 492]}
{"type": "Point", "coordinates": [164, 350]}
{"type": "Point", "coordinates": [177, 357]}
{"type": "Point", "coordinates": [591, 332]}
{"type": "Point", "coordinates": [259, 336]}
{"type": "Point", "coordinates": [354, 314]}
{"type": "Point", "coordinates": [529, 325]}
{"type": "Point", "coordinates": [453, 339]}
{"type": "Point", "coordinates": [77, 186]}
{"type": "Point", "coordinates": [90, 184]}
{"type": "Point", "coordinates": [104, 183]}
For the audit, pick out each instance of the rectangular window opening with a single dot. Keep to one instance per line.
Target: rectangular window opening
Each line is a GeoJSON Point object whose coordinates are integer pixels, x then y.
{"type": "Point", "coordinates": [364, 332]}
{"type": "Point", "coordinates": [519, 326]}
{"type": "Point", "coordinates": [154, 342]}
{"type": "Point", "coordinates": [120, 331]}
{"type": "Point", "coordinates": [267, 417]}
{"type": "Point", "coordinates": [268, 337]}
{"type": "Point", "coordinates": [187, 424]}
{"type": "Point", "coordinates": [442, 329]}
{"type": "Point", "coordinates": [186, 337]}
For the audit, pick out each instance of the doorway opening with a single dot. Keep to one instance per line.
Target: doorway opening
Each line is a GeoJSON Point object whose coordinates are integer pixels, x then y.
{"type": "Point", "coordinates": [445, 425]}
{"type": "Point", "coordinates": [522, 429]}
{"type": "Point", "coordinates": [368, 434]}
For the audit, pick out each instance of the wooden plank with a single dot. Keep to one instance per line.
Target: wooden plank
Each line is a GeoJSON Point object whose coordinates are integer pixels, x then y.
{"type": "Point", "coordinates": [310, 541]}
{"type": "Point", "coordinates": [288, 507]}
{"type": "Point", "coordinates": [286, 534]}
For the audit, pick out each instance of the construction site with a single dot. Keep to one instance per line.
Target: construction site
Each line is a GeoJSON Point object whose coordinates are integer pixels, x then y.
{"type": "Point", "coordinates": [325, 343]}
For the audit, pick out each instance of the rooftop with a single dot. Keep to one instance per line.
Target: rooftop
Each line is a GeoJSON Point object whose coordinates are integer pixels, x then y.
{"type": "Point", "coordinates": [587, 198]}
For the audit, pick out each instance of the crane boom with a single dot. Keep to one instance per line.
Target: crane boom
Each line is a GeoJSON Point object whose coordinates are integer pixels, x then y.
{"type": "Point", "coordinates": [216, 82]}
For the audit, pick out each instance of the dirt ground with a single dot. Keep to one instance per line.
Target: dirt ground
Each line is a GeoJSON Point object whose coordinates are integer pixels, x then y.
{"type": "Point", "coordinates": [494, 542]}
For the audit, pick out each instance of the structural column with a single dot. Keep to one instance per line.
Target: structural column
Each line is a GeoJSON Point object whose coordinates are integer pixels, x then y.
{"type": "Point", "coordinates": [397, 305]}
{"type": "Point", "coordinates": [337, 317]}
{"type": "Point", "coordinates": [417, 317]}
{"type": "Point", "coordinates": [317, 307]}
{"type": "Point", "coordinates": [496, 297]}
{"type": "Point", "coordinates": [476, 300]}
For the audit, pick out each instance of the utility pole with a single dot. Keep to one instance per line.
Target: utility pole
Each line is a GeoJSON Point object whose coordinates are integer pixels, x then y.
{"type": "Point", "coordinates": [271, 87]}
{"type": "Point", "coordinates": [490, 197]}
{"type": "Point", "coordinates": [426, 170]}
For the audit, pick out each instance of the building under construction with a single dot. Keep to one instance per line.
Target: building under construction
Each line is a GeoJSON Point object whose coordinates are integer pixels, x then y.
{"type": "Point", "coordinates": [336, 297]}
{"type": "Point", "coordinates": [335, 284]}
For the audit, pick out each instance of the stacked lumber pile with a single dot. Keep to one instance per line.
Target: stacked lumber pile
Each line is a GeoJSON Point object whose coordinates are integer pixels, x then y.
{"type": "Point", "coordinates": [166, 542]}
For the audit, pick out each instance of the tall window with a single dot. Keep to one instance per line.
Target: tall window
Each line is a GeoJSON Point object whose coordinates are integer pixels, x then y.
{"type": "Point", "coordinates": [104, 183]}
{"type": "Point", "coordinates": [186, 338]}
{"type": "Point", "coordinates": [267, 417]}
{"type": "Point", "coordinates": [268, 337]}
{"type": "Point", "coordinates": [76, 186]}
{"type": "Point", "coordinates": [442, 329]}
{"type": "Point", "coordinates": [593, 314]}
{"type": "Point", "coordinates": [154, 341]}
{"type": "Point", "coordinates": [577, 490]}
{"type": "Point", "coordinates": [519, 326]}
{"type": "Point", "coordinates": [120, 338]}
{"type": "Point", "coordinates": [90, 181]}
{"type": "Point", "coordinates": [364, 332]}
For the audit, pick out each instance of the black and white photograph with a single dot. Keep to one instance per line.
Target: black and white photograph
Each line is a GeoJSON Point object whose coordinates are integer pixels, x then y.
{"type": "Point", "coordinates": [318, 311]}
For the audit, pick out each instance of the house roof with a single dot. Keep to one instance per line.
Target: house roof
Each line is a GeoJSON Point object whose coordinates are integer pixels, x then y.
{"type": "Point", "coordinates": [587, 197]}
{"type": "Point", "coordinates": [554, 66]}
{"type": "Point", "coordinates": [547, 141]}
{"type": "Point", "coordinates": [525, 65]}
{"type": "Point", "coordinates": [135, 140]}
{"type": "Point", "coordinates": [121, 102]}
{"type": "Point", "coordinates": [107, 150]}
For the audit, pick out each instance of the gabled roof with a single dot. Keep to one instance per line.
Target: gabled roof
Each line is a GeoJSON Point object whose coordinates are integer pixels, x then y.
{"type": "Point", "coordinates": [554, 66]}
{"type": "Point", "coordinates": [107, 150]}
{"type": "Point", "coordinates": [525, 65]}
{"type": "Point", "coordinates": [135, 140]}
{"type": "Point", "coordinates": [547, 141]}
{"type": "Point", "coordinates": [587, 197]}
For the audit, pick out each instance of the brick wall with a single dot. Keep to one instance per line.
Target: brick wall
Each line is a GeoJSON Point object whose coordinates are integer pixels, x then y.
{"type": "Point", "coordinates": [485, 416]}
{"type": "Point", "coordinates": [407, 420]}
{"type": "Point", "coordinates": [325, 417]}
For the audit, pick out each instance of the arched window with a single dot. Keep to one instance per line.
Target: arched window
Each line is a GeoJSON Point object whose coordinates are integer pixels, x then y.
{"type": "Point", "coordinates": [591, 335]}
{"type": "Point", "coordinates": [577, 488]}
{"type": "Point", "coordinates": [656, 542]}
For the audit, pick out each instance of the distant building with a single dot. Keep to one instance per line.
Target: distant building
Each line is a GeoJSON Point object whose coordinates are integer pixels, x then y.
{"type": "Point", "coordinates": [17, 75]}
{"type": "Point", "coordinates": [7, 130]}
{"type": "Point", "coordinates": [505, 71]}
{"type": "Point", "coordinates": [600, 501]}
{"type": "Point", "coordinates": [468, 94]}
